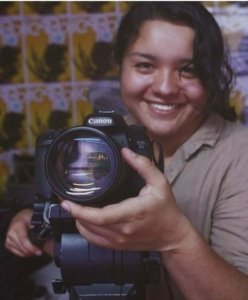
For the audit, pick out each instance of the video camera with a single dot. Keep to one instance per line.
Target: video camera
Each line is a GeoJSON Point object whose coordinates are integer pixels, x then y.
{"type": "Point", "coordinates": [84, 164]}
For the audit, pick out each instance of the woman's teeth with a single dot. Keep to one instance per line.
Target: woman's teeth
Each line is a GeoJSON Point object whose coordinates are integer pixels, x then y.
{"type": "Point", "coordinates": [164, 107]}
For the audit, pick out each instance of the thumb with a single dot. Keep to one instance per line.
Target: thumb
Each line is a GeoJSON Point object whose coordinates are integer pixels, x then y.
{"type": "Point", "coordinates": [144, 167]}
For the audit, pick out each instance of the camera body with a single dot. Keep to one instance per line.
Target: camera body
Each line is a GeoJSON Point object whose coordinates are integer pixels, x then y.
{"type": "Point", "coordinates": [84, 164]}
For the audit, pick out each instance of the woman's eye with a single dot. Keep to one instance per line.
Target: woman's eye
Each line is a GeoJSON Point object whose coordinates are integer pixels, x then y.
{"type": "Point", "coordinates": [144, 66]}
{"type": "Point", "coordinates": [187, 72]}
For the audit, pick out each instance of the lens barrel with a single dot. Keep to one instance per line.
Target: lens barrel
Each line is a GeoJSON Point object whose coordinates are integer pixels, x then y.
{"type": "Point", "coordinates": [84, 165]}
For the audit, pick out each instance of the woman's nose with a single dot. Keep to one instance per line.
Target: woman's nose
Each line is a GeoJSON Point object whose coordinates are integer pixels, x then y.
{"type": "Point", "coordinates": [165, 83]}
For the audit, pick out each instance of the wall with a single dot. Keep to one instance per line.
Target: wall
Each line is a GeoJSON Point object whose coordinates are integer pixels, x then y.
{"type": "Point", "coordinates": [55, 69]}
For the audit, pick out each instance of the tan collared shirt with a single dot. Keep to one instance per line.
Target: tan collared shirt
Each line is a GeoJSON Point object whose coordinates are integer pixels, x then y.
{"type": "Point", "coordinates": [209, 178]}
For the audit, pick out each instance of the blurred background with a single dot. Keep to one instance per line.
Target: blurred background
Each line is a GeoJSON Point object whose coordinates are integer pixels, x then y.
{"type": "Point", "coordinates": [55, 68]}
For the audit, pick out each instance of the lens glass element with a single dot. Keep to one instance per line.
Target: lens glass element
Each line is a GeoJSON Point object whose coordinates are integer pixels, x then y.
{"type": "Point", "coordinates": [82, 164]}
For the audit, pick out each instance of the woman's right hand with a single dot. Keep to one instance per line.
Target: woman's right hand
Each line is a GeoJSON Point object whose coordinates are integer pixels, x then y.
{"type": "Point", "coordinates": [17, 240]}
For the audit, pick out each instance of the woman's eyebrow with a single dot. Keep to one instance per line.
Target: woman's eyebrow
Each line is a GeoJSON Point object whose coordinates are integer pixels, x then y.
{"type": "Point", "coordinates": [143, 55]}
{"type": "Point", "coordinates": [185, 60]}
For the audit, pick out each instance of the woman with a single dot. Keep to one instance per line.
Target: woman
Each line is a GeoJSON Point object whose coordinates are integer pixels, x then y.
{"type": "Point", "coordinates": [175, 81]}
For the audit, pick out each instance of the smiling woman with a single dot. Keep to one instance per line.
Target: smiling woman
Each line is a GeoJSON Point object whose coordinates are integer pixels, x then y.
{"type": "Point", "coordinates": [175, 80]}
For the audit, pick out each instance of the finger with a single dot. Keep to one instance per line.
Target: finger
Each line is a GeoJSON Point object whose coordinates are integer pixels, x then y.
{"type": "Point", "coordinates": [110, 233]}
{"type": "Point", "coordinates": [111, 238]}
{"type": "Point", "coordinates": [16, 252]}
{"type": "Point", "coordinates": [13, 247]}
{"type": "Point", "coordinates": [21, 243]}
{"type": "Point", "coordinates": [144, 167]}
{"type": "Point", "coordinates": [97, 236]}
{"type": "Point", "coordinates": [93, 235]}
{"type": "Point", "coordinates": [31, 249]}
{"type": "Point", "coordinates": [121, 212]}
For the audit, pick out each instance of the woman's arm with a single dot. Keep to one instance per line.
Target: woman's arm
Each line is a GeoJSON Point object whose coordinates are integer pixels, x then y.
{"type": "Point", "coordinates": [200, 273]}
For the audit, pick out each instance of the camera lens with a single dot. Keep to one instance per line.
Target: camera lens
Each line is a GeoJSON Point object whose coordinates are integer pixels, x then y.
{"type": "Point", "coordinates": [83, 164]}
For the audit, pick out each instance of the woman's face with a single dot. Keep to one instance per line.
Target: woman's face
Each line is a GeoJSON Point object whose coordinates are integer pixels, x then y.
{"type": "Point", "coordinates": [158, 83]}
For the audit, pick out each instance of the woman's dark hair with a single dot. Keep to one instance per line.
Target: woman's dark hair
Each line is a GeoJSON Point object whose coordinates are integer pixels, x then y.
{"type": "Point", "coordinates": [209, 51]}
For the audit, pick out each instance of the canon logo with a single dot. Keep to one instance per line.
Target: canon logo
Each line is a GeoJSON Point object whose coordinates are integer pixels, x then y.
{"type": "Point", "coordinates": [100, 121]}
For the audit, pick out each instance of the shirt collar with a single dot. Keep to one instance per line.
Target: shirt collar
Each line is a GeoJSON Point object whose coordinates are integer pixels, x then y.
{"type": "Point", "coordinates": [207, 135]}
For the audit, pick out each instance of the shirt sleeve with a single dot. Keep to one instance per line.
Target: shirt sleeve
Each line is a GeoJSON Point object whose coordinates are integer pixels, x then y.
{"type": "Point", "coordinates": [229, 233]}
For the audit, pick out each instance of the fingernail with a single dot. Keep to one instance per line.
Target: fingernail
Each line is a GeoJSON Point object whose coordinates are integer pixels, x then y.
{"type": "Point", "coordinates": [129, 152]}
{"type": "Point", "coordinates": [66, 206]}
{"type": "Point", "coordinates": [38, 253]}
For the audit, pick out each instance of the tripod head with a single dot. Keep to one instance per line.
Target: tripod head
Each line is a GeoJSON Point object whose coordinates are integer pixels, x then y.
{"type": "Point", "coordinates": [88, 270]}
